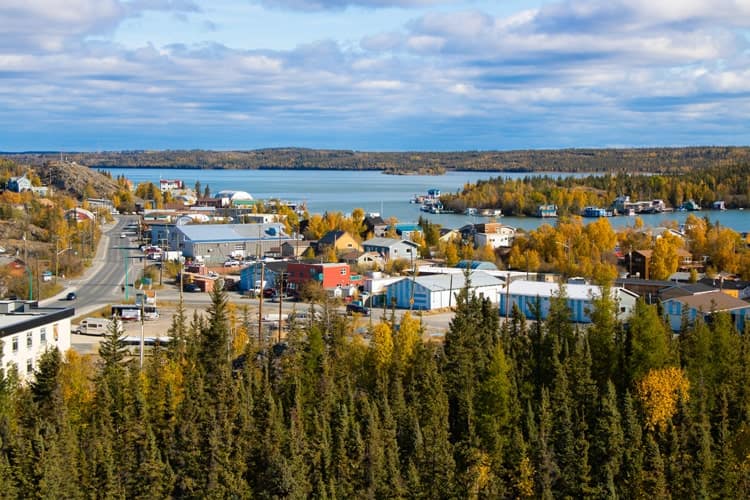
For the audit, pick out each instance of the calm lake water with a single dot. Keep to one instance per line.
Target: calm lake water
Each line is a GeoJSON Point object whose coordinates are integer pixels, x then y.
{"type": "Point", "coordinates": [373, 191]}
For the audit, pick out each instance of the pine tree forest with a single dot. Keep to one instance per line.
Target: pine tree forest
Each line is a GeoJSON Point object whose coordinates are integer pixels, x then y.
{"type": "Point", "coordinates": [502, 408]}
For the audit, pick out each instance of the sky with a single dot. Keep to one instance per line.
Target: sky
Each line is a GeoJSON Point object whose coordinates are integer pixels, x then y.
{"type": "Point", "coordinates": [372, 75]}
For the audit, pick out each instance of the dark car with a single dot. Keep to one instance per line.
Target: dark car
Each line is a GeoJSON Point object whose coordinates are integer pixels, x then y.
{"type": "Point", "coordinates": [192, 287]}
{"type": "Point", "coordinates": [71, 296]}
{"type": "Point", "coordinates": [357, 309]}
{"type": "Point", "coordinates": [268, 293]}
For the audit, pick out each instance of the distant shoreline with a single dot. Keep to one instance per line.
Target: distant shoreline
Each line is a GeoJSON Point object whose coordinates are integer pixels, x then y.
{"type": "Point", "coordinates": [620, 160]}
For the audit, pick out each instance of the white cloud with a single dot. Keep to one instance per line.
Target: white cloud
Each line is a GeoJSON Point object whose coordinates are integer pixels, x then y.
{"type": "Point", "coordinates": [320, 5]}
{"type": "Point", "coordinates": [571, 62]}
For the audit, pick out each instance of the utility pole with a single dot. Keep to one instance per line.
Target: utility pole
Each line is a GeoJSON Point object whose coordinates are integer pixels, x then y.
{"type": "Point", "coordinates": [281, 290]}
{"type": "Point", "coordinates": [143, 300]}
{"type": "Point", "coordinates": [260, 306]}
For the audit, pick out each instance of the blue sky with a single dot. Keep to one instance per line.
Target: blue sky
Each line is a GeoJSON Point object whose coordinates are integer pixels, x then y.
{"type": "Point", "coordinates": [372, 74]}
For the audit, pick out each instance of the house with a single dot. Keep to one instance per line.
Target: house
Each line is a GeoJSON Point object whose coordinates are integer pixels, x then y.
{"type": "Point", "coordinates": [215, 243]}
{"type": "Point", "coordinates": [494, 240]}
{"type": "Point", "coordinates": [19, 184]}
{"type": "Point", "coordinates": [329, 275]}
{"type": "Point", "coordinates": [640, 261]}
{"type": "Point", "coordinates": [371, 260]}
{"type": "Point", "coordinates": [170, 185]}
{"type": "Point", "coordinates": [391, 249]}
{"type": "Point", "coordinates": [438, 291]}
{"type": "Point", "coordinates": [296, 248]}
{"type": "Point", "coordinates": [687, 308]}
{"type": "Point", "coordinates": [533, 299]}
{"type": "Point", "coordinates": [272, 271]}
{"type": "Point", "coordinates": [376, 225]}
{"type": "Point", "coordinates": [340, 241]}
{"type": "Point", "coordinates": [489, 233]}
{"type": "Point", "coordinates": [27, 330]}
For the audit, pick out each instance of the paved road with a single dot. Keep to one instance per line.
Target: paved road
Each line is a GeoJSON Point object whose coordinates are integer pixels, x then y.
{"type": "Point", "coordinates": [102, 284]}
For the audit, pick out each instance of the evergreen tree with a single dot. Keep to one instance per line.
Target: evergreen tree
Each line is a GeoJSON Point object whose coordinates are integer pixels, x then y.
{"type": "Point", "coordinates": [649, 342]}
{"type": "Point", "coordinates": [607, 444]}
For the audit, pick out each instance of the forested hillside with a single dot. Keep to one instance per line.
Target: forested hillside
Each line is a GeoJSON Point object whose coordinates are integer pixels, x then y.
{"type": "Point", "coordinates": [565, 160]}
{"type": "Point", "coordinates": [518, 410]}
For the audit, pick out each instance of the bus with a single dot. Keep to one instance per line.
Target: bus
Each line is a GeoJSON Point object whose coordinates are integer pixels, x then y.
{"type": "Point", "coordinates": [133, 343]}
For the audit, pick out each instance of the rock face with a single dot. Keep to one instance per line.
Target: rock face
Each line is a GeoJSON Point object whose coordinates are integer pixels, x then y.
{"type": "Point", "coordinates": [73, 178]}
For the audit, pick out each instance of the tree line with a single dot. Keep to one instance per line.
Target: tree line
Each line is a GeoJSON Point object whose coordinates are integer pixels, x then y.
{"type": "Point", "coordinates": [563, 160]}
{"type": "Point", "coordinates": [728, 183]}
{"type": "Point", "coordinates": [503, 408]}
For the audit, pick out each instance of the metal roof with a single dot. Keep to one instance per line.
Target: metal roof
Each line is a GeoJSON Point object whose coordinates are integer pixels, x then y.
{"type": "Point", "coordinates": [713, 301]}
{"type": "Point", "coordinates": [206, 233]}
{"type": "Point", "coordinates": [440, 282]}
{"type": "Point", "coordinates": [544, 289]}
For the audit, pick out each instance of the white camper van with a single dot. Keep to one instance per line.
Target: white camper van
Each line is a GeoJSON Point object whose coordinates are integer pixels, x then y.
{"type": "Point", "coordinates": [95, 326]}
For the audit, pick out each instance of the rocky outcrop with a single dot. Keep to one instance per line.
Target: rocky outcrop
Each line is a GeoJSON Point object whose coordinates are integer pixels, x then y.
{"type": "Point", "coordinates": [73, 178]}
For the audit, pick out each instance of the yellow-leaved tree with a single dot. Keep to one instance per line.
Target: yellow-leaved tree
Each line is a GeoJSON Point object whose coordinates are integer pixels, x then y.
{"type": "Point", "coordinates": [77, 383]}
{"type": "Point", "coordinates": [381, 346]}
{"type": "Point", "coordinates": [659, 391]}
{"type": "Point", "coordinates": [408, 336]}
{"type": "Point", "coordinates": [665, 259]}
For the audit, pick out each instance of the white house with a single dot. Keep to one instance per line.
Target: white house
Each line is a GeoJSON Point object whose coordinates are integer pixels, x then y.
{"type": "Point", "coordinates": [27, 330]}
{"type": "Point", "coordinates": [531, 296]}
{"type": "Point", "coordinates": [439, 290]}
{"type": "Point", "coordinates": [19, 184]}
{"type": "Point", "coordinates": [502, 238]}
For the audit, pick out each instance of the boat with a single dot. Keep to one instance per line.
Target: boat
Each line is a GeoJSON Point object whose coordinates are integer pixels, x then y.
{"type": "Point", "coordinates": [544, 211]}
{"type": "Point", "coordinates": [470, 211]}
{"type": "Point", "coordinates": [594, 212]}
{"type": "Point", "coordinates": [491, 212]}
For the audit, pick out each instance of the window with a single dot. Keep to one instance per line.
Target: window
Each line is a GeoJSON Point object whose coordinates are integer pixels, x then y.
{"type": "Point", "coordinates": [29, 339]}
{"type": "Point", "coordinates": [622, 309]}
{"type": "Point", "coordinates": [342, 271]}
{"type": "Point", "coordinates": [15, 344]}
{"type": "Point", "coordinates": [43, 336]}
{"type": "Point", "coordinates": [29, 366]}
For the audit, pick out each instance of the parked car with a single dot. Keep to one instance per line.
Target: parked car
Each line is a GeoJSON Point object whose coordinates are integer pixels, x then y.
{"type": "Point", "coordinates": [358, 309]}
{"type": "Point", "coordinates": [71, 296]}
{"type": "Point", "coordinates": [192, 287]}
{"type": "Point", "coordinates": [232, 263]}
{"type": "Point", "coordinates": [269, 293]}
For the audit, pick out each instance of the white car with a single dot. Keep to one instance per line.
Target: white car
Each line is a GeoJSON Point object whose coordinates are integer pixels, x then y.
{"type": "Point", "coordinates": [232, 263]}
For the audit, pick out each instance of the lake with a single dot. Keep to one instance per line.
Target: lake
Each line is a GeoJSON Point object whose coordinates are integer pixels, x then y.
{"type": "Point", "coordinates": [373, 191]}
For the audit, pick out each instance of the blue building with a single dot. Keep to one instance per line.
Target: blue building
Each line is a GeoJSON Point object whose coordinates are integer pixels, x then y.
{"type": "Point", "coordinates": [533, 299]}
{"type": "Point", "coordinates": [689, 307]}
{"type": "Point", "coordinates": [250, 275]}
{"type": "Point", "coordinates": [439, 290]}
